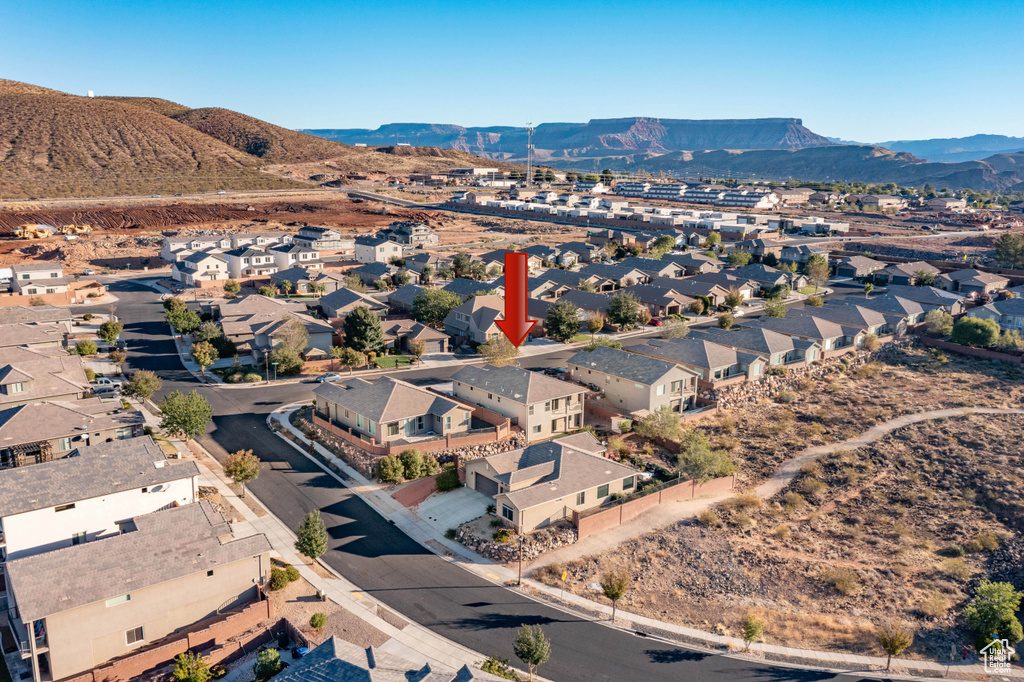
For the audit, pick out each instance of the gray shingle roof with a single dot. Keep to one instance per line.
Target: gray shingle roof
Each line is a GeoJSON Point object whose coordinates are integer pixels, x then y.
{"type": "Point", "coordinates": [339, 661]}
{"type": "Point", "coordinates": [341, 298]}
{"type": "Point", "coordinates": [852, 314]}
{"type": "Point", "coordinates": [43, 313]}
{"type": "Point", "coordinates": [700, 353]}
{"type": "Point", "coordinates": [166, 545]}
{"type": "Point", "coordinates": [802, 325]}
{"type": "Point", "coordinates": [385, 399]}
{"type": "Point", "coordinates": [615, 272]}
{"type": "Point", "coordinates": [406, 294]}
{"type": "Point", "coordinates": [44, 374]}
{"type": "Point", "coordinates": [464, 286]}
{"type": "Point", "coordinates": [925, 295]}
{"type": "Point", "coordinates": [759, 273]}
{"type": "Point", "coordinates": [513, 383]}
{"type": "Point", "coordinates": [97, 470]}
{"type": "Point", "coordinates": [638, 368]}
{"type": "Point", "coordinates": [888, 303]}
{"type": "Point", "coordinates": [50, 420]}
{"type": "Point", "coordinates": [754, 339]}
{"type": "Point", "coordinates": [587, 300]}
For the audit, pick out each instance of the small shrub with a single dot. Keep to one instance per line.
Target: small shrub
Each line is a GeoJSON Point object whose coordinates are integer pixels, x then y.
{"type": "Point", "coordinates": [499, 667]}
{"type": "Point", "coordinates": [727, 424]}
{"type": "Point", "coordinates": [618, 446]}
{"type": "Point", "coordinates": [451, 533]}
{"type": "Point", "coordinates": [448, 479]}
{"type": "Point", "coordinates": [844, 580]}
{"type": "Point", "coordinates": [783, 532]}
{"type": "Point", "coordinates": [933, 605]}
{"type": "Point", "coordinates": [430, 466]}
{"type": "Point", "coordinates": [87, 317]}
{"type": "Point", "coordinates": [90, 374]}
{"type": "Point", "coordinates": [953, 550]}
{"type": "Point", "coordinates": [745, 502]}
{"type": "Point", "coordinates": [291, 572]}
{"type": "Point", "coordinates": [786, 397]}
{"type": "Point", "coordinates": [983, 542]}
{"type": "Point", "coordinates": [318, 621]}
{"type": "Point", "coordinates": [957, 569]}
{"type": "Point", "coordinates": [390, 469]}
{"type": "Point", "coordinates": [502, 536]}
{"type": "Point", "coordinates": [85, 347]}
{"type": "Point", "coordinates": [496, 523]}
{"type": "Point", "coordinates": [793, 500]}
{"type": "Point", "coordinates": [412, 463]}
{"type": "Point", "coordinates": [491, 508]}
{"type": "Point", "coordinates": [278, 579]}
{"type": "Point", "coordinates": [251, 378]}
{"type": "Point", "coordinates": [709, 518]}
{"type": "Point", "coordinates": [741, 520]}
{"type": "Point", "coordinates": [811, 486]}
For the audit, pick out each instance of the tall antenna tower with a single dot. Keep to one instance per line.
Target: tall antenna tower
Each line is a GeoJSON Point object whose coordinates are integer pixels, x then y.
{"type": "Point", "coordinates": [529, 154]}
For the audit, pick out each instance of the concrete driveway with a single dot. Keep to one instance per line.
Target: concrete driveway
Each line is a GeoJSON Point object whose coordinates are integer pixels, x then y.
{"type": "Point", "coordinates": [453, 508]}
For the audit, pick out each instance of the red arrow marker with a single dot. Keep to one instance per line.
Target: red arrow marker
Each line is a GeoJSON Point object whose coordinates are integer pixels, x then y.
{"type": "Point", "coordinates": [515, 325]}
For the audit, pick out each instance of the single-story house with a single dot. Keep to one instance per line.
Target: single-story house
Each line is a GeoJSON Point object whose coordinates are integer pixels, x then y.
{"type": "Point", "coordinates": [465, 288]}
{"type": "Point", "coordinates": [831, 336]}
{"type": "Point", "coordinates": [343, 301]}
{"type": "Point", "coordinates": [930, 297]}
{"type": "Point", "coordinates": [780, 349]}
{"type": "Point", "coordinates": [694, 263]}
{"type": "Point", "coordinates": [660, 301]}
{"type": "Point", "coordinates": [28, 375]}
{"type": "Point", "coordinates": [716, 365]}
{"type": "Point", "coordinates": [400, 333]}
{"type": "Point", "coordinates": [967, 282]}
{"type": "Point", "coordinates": [1008, 313]}
{"type": "Point", "coordinates": [402, 298]}
{"type": "Point", "coordinates": [904, 273]}
{"type": "Point", "coordinates": [858, 267]}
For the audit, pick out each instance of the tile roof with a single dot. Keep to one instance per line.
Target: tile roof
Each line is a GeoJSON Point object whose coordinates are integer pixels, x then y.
{"type": "Point", "coordinates": [97, 470]}
{"type": "Point", "coordinates": [54, 419]}
{"type": "Point", "coordinates": [384, 399]}
{"type": "Point", "coordinates": [631, 366]}
{"type": "Point", "coordinates": [43, 313]}
{"type": "Point", "coordinates": [166, 545]}
{"type": "Point", "coordinates": [339, 661]}
{"type": "Point", "coordinates": [31, 333]}
{"type": "Point", "coordinates": [43, 374]}
{"type": "Point", "coordinates": [520, 385]}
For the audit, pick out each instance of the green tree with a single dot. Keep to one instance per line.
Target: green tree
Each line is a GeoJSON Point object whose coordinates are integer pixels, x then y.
{"type": "Point", "coordinates": [894, 638]}
{"type": "Point", "coordinates": [499, 352]}
{"type": "Point", "coordinates": [752, 628]}
{"type": "Point", "coordinates": [774, 308]}
{"type": "Point", "coordinates": [938, 322]}
{"type": "Point", "coordinates": [317, 287]}
{"type": "Point", "coordinates": [362, 330]}
{"type": "Point", "coordinates": [532, 647]}
{"type": "Point", "coordinates": [426, 273]}
{"type": "Point", "coordinates": [868, 288]}
{"type": "Point", "coordinates": [817, 270]}
{"type": "Point", "coordinates": [725, 321]}
{"type": "Point", "coordinates": [431, 306]}
{"type": "Point", "coordinates": [352, 358]}
{"type": "Point", "coordinates": [292, 336]}
{"type": "Point", "coordinates": [563, 321]}
{"type": "Point", "coordinates": [738, 259]}
{"type": "Point", "coordinates": [674, 329]}
{"type": "Point", "coordinates": [417, 349]}
{"type": "Point", "coordinates": [770, 259]}
{"type": "Point", "coordinates": [924, 278]}
{"type": "Point", "coordinates": [204, 354]}
{"type": "Point", "coordinates": [662, 423]}
{"type": "Point", "coordinates": [1010, 250]}
{"type": "Point", "coordinates": [477, 270]}
{"type": "Point", "coordinates": [142, 385]}
{"type": "Point", "coordinates": [623, 310]}
{"type": "Point", "coordinates": [589, 287]}
{"type": "Point", "coordinates": [994, 612]}
{"type": "Point", "coordinates": [85, 347]}
{"type": "Point", "coordinates": [110, 330]}
{"type": "Point", "coordinates": [1010, 340]}
{"type": "Point", "coordinates": [183, 320]}
{"type": "Point", "coordinates": [446, 272]}
{"type": "Point", "coordinates": [268, 663]}
{"type": "Point", "coordinates": [209, 330]}
{"type": "Point", "coordinates": [185, 416]}
{"type": "Point", "coordinates": [288, 361]}
{"type": "Point", "coordinates": [402, 277]}
{"type": "Point", "coordinates": [815, 301]}
{"type": "Point", "coordinates": [595, 323]}
{"type": "Point", "coordinates": [243, 466]}
{"type": "Point", "coordinates": [355, 283]}
{"type": "Point", "coordinates": [698, 461]}
{"type": "Point", "coordinates": [311, 537]}
{"type": "Point", "coordinates": [973, 331]}
{"type": "Point", "coordinates": [336, 352]}
{"type": "Point", "coordinates": [607, 176]}
{"type": "Point", "coordinates": [318, 621]}
{"type": "Point", "coordinates": [614, 585]}
{"type": "Point", "coordinates": [173, 303]}
{"type": "Point", "coordinates": [390, 469]}
{"type": "Point", "coordinates": [662, 245]}
{"type": "Point", "coordinates": [412, 463]}
{"type": "Point", "coordinates": [286, 286]}
{"type": "Point", "coordinates": [460, 264]}
{"type": "Point", "coordinates": [269, 292]}
{"type": "Point", "coordinates": [734, 299]}
{"type": "Point", "coordinates": [232, 287]}
{"type": "Point", "coordinates": [713, 239]}
{"type": "Point", "coordinates": [190, 667]}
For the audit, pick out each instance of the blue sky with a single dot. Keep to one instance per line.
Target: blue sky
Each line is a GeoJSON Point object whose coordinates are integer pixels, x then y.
{"type": "Point", "coordinates": [869, 71]}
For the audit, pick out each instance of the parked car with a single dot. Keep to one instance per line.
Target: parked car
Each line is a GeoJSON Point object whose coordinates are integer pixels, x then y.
{"type": "Point", "coordinates": [108, 391]}
{"type": "Point", "coordinates": [155, 196]}
{"type": "Point", "coordinates": [221, 192]}
{"type": "Point", "coordinates": [121, 344]}
{"type": "Point", "coordinates": [88, 271]}
{"type": "Point", "coordinates": [555, 371]}
{"type": "Point", "coordinates": [594, 387]}
{"type": "Point", "coordinates": [108, 381]}
{"type": "Point", "coordinates": [655, 322]}
{"type": "Point", "coordinates": [328, 377]}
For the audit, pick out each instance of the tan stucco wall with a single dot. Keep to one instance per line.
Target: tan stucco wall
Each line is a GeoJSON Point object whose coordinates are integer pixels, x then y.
{"type": "Point", "coordinates": [521, 412]}
{"type": "Point", "coordinates": [629, 396]}
{"type": "Point", "coordinates": [555, 510]}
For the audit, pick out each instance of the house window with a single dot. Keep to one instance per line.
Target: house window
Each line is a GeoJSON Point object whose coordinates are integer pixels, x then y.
{"type": "Point", "coordinates": [531, 409]}
{"type": "Point", "coordinates": [419, 423]}
{"type": "Point", "coordinates": [554, 404]}
{"type": "Point", "coordinates": [133, 636]}
{"type": "Point", "coordinates": [392, 429]}
{"type": "Point", "coordinates": [547, 406]}
{"type": "Point", "coordinates": [209, 574]}
{"type": "Point", "coordinates": [602, 491]}
{"type": "Point", "coordinates": [373, 427]}
{"type": "Point", "coordinates": [123, 433]}
{"type": "Point", "coordinates": [64, 507]}
{"type": "Point", "coordinates": [64, 444]}
{"type": "Point", "coordinates": [660, 390]}
{"type": "Point", "coordinates": [536, 429]}
{"type": "Point", "coordinates": [78, 538]}
{"type": "Point", "coordinates": [119, 600]}
{"type": "Point", "coordinates": [677, 386]}
{"type": "Point", "coordinates": [506, 511]}
{"type": "Point", "coordinates": [447, 422]}
{"type": "Point", "coordinates": [627, 483]}
{"type": "Point", "coordinates": [581, 498]}
{"type": "Point", "coordinates": [359, 421]}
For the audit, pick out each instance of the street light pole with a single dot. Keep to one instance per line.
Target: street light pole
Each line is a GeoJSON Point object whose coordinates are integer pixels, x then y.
{"type": "Point", "coordinates": [520, 582]}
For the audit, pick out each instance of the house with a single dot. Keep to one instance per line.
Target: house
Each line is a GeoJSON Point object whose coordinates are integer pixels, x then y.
{"type": "Point", "coordinates": [497, 258]}
{"type": "Point", "coordinates": [794, 196]}
{"type": "Point", "coordinates": [904, 273]}
{"type": "Point", "coordinates": [730, 282]}
{"type": "Point", "coordinates": [371, 273]}
{"type": "Point", "coordinates": [748, 199]}
{"type": "Point", "coordinates": [653, 268]}
{"type": "Point", "coordinates": [621, 275]}
{"type": "Point", "coordinates": [535, 287]}
{"type": "Point", "coordinates": [971, 282]}
{"type": "Point", "coordinates": [858, 267]}
{"type": "Point", "coordinates": [779, 349]}
{"type": "Point", "coordinates": [883, 202]}
{"type": "Point", "coordinates": [660, 301]}
{"type": "Point", "coordinates": [300, 280]}
{"type": "Point", "coordinates": [260, 239]}
{"type": "Point", "coordinates": [823, 227]}
{"type": "Point", "coordinates": [256, 324]}
{"type": "Point", "coordinates": [409, 232]}
{"type": "Point", "coordinates": [833, 338]}
{"type": "Point", "coordinates": [100, 600]}
{"type": "Point", "coordinates": [540, 405]}
{"type": "Point", "coordinates": [801, 254]}
{"type": "Point", "coordinates": [474, 320]}
{"type": "Point", "coordinates": [87, 496]}
{"type": "Point", "coordinates": [693, 288]}
{"type": "Point", "coordinates": [340, 303]}
{"type": "Point", "coordinates": [33, 279]}
{"type": "Point", "coordinates": [930, 298]}
{"type": "Point", "coordinates": [759, 248]}
{"type": "Point", "coordinates": [857, 316]}
{"type": "Point", "coordinates": [418, 261]}
{"type": "Point", "coordinates": [39, 373]}
{"type": "Point", "coordinates": [377, 250]}
{"type": "Point", "coordinates": [402, 298]}
{"type": "Point", "coordinates": [664, 191]}
{"type": "Point", "coordinates": [42, 431]}
{"type": "Point", "coordinates": [633, 382]}
{"type": "Point", "coordinates": [912, 311]}
{"type": "Point", "coordinates": [399, 334]}
{"type": "Point", "coordinates": [295, 254]}
{"type": "Point", "coordinates": [466, 288]}
{"type": "Point", "coordinates": [632, 189]}
{"type": "Point", "coordinates": [550, 254]}
{"type": "Point", "coordinates": [767, 277]}
{"type": "Point", "coordinates": [33, 335]}
{"type": "Point", "coordinates": [584, 251]}
{"type": "Point", "coordinates": [694, 263]}
{"type": "Point", "coordinates": [590, 304]}
{"type": "Point", "coordinates": [386, 410]}
{"type": "Point", "coordinates": [200, 266]}
{"type": "Point", "coordinates": [945, 204]}
{"type": "Point", "coordinates": [20, 314]}
{"type": "Point", "coordinates": [250, 261]}
{"type": "Point", "coordinates": [323, 239]}
{"type": "Point", "coordinates": [715, 364]}
{"type": "Point", "coordinates": [824, 197]}
{"type": "Point", "coordinates": [1008, 313]}
{"type": "Point", "coordinates": [575, 279]}
{"type": "Point", "coordinates": [340, 661]}
{"type": "Point", "coordinates": [544, 483]}
{"type": "Point", "coordinates": [175, 248]}
{"type": "Point", "coordinates": [590, 187]}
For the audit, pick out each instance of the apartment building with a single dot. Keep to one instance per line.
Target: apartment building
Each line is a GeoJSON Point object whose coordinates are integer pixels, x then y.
{"type": "Point", "coordinates": [540, 405]}
{"type": "Point", "coordinates": [666, 191]}
{"type": "Point", "coordinates": [635, 383]}
{"type": "Point", "coordinates": [632, 189]}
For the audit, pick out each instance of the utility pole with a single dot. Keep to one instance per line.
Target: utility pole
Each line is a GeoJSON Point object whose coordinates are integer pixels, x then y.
{"type": "Point", "coordinates": [529, 154]}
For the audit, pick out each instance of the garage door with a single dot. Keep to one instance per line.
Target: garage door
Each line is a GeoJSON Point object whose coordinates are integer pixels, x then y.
{"type": "Point", "coordinates": [486, 485]}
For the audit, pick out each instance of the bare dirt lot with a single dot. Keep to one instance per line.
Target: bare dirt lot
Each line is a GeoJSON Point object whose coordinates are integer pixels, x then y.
{"type": "Point", "coordinates": [902, 529]}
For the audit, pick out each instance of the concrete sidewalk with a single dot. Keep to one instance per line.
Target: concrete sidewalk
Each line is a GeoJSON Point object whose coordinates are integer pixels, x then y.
{"type": "Point", "coordinates": [431, 538]}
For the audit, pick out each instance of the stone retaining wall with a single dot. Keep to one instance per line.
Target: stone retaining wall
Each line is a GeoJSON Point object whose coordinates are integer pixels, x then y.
{"type": "Point", "coordinates": [534, 544]}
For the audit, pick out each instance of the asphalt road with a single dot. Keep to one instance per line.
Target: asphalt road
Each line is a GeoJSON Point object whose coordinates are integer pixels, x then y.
{"type": "Point", "coordinates": [387, 564]}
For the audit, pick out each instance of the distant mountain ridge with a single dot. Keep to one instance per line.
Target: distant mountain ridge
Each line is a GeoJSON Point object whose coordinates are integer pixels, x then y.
{"type": "Point", "coordinates": [972, 148]}
{"type": "Point", "coordinates": [595, 138]}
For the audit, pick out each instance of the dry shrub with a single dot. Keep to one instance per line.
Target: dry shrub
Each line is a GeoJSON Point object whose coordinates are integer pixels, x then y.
{"type": "Point", "coordinates": [743, 502]}
{"type": "Point", "coordinates": [983, 542]}
{"type": "Point", "coordinates": [933, 605]}
{"type": "Point", "coordinates": [793, 500]}
{"type": "Point", "coordinates": [956, 569]}
{"type": "Point", "coordinates": [710, 519]}
{"type": "Point", "coordinates": [783, 532]}
{"type": "Point", "coordinates": [844, 580]}
{"type": "Point", "coordinates": [727, 424]}
{"type": "Point", "coordinates": [741, 520]}
{"type": "Point", "coordinates": [811, 486]}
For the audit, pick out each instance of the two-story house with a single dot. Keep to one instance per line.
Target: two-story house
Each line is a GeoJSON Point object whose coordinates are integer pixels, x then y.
{"type": "Point", "coordinates": [635, 383]}
{"type": "Point", "coordinates": [322, 239]}
{"type": "Point", "coordinates": [201, 266]}
{"type": "Point", "coordinates": [540, 405]}
{"type": "Point", "coordinates": [296, 255]}
{"type": "Point", "coordinates": [412, 233]}
{"type": "Point", "coordinates": [474, 320]}
{"type": "Point", "coordinates": [377, 250]}
{"type": "Point", "coordinates": [250, 261]}
{"type": "Point", "coordinates": [33, 279]}
{"type": "Point", "coordinates": [28, 375]}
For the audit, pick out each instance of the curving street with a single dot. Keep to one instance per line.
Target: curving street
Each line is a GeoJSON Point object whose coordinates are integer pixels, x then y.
{"type": "Point", "coordinates": [387, 564]}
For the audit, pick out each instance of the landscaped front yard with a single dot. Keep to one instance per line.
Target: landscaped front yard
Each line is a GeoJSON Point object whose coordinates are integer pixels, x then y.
{"type": "Point", "coordinates": [393, 361]}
